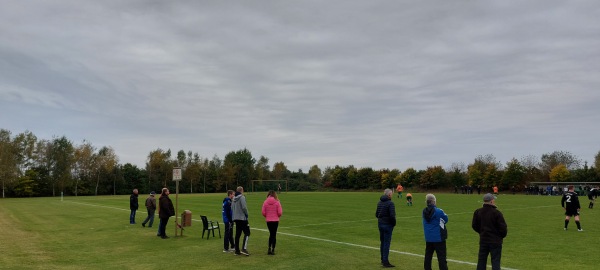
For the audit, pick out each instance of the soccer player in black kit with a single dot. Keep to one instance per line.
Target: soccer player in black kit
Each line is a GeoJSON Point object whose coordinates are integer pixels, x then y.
{"type": "Point", "coordinates": [570, 203]}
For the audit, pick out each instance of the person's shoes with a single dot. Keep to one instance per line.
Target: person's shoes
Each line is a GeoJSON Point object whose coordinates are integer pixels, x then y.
{"type": "Point", "coordinates": [580, 230]}
{"type": "Point", "coordinates": [164, 237]}
{"type": "Point", "coordinates": [226, 250]}
{"type": "Point", "coordinates": [245, 252]}
{"type": "Point", "coordinates": [143, 224]}
{"type": "Point", "coordinates": [565, 229]}
{"type": "Point", "coordinates": [388, 265]}
{"type": "Point", "coordinates": [237, 253]}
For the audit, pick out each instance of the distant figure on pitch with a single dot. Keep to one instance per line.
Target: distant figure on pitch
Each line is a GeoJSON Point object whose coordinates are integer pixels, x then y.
{"type": "Point", "coordinates": [399, 189]}
{"type": "Point", "coordinates": [166, 211]}
{"type": "Point", "coordinates": [278, 188]}
{"type": "Point", "coordinates": [228, 221]}
{"type": "Point", "coordinates": [434, 226]}
{"type": "Point", "coordinates": [495, 188]}
{"type": "Point", "coordinates": [570, 202]}
{"type": "Point", "coordinates": [133, 205]}
{"type": "Point", "coordinates": [489, 223]}
{"type": "Point", "coordinates": [271, 210]}
{"type": "Point", "coordinates": [240, 217]}
{"type": "Point", "coordinates": [592, 195]}
{"type": "Point", "coordinates": [151, 207]}
{"type": "Point", "coordinates": [409, 199]}
{"type": "Point", "coordinates": [386, 221]}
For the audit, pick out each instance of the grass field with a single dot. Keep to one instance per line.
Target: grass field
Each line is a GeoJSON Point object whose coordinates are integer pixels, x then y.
{"type": "Point", "coordinates": [334, 230]}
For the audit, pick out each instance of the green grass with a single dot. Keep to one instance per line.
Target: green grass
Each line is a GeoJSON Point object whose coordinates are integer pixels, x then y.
{"type": "Point", "coordinates": [333, 230]}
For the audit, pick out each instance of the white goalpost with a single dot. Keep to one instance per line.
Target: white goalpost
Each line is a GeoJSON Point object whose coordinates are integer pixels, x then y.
{"type": "Point", "coordinates": [278, 188]}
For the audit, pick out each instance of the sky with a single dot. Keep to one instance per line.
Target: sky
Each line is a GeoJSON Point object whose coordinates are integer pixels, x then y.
{"type": "Point", "coordinates": [380, 84]}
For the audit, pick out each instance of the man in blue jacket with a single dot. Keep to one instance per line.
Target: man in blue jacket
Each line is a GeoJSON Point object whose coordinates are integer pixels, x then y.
{"type": "Point", "coordinates": [228, 221]}
{"type": "Point", "coordinates": [434, 226]}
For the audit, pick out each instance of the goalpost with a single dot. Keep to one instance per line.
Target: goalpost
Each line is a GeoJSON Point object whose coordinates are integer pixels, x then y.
{"type": "Point", "coordinates": [276, 187]}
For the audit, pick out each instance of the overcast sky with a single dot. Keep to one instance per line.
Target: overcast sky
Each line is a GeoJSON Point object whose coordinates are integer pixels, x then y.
{"type": "Point", "coordinates": [381, 84]}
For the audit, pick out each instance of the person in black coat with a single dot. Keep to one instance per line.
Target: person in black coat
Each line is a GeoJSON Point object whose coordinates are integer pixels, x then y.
{"type": "Point", "coordinates": [133, 205]}
{"type": "Point", "coordinates": [491, 226]}
{"type": "Point", "coordinates": [166, 210]}
{"type": "Point", "coordinates": [386, 221]}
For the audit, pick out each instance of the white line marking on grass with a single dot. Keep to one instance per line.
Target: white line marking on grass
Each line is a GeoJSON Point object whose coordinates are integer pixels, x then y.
{"type": "Point", "coordinates": [327, 240]}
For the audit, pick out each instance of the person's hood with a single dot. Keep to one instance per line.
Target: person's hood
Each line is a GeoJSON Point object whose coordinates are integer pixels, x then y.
{"type": "Point", "coordinates": [384, 198]}
{"type": "Point", "coordinates": [428, 212]}
{"type": "Point", "coordinates": [271, 200]}
{"type": "Point", "coordinates": [237, 197]}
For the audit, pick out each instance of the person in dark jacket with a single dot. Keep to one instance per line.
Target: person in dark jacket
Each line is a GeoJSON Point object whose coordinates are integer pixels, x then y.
{"type": "Point", "coordinates": [490, 224]}
{"type": "Point", "coordinates": [434, 227]}
{"type": "Point", "coordinates": [151, 207]}
{"type": "Point", "coordinates": [165, 212]}
{"type": "Point", "coordinates": [386, 220]}
{"type": "Point", "coordinates": [133, 205]}
{"type": "Point", "coordinates": [228, 222]}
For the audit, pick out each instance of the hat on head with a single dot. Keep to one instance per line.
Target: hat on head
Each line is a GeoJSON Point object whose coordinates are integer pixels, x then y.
{"type": "Point", "coordinates": [488, 197]}
{"type": "Point", "coordinates": [152, 193]}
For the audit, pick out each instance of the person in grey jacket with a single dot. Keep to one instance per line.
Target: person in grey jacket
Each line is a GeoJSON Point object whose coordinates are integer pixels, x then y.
{"type": "Point", "coordinates": [240, 218]}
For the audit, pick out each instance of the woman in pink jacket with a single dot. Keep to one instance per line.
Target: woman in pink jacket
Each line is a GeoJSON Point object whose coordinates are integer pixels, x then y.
{"type": "Point", "coordinates": [271, 210]}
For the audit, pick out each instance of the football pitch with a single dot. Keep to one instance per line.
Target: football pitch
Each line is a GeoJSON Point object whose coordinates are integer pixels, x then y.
{"type": "Point", "coordinates": [318, 230]}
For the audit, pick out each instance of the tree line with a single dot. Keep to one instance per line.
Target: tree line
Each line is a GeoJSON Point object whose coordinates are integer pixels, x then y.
{"type": "Point", "coordinates": [50, 167]}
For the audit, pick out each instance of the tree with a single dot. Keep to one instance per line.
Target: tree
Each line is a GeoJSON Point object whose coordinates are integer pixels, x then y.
{"type": "Point", "coordinates": [315, 177]}
{"type": "Point", "coordinates": [84, 166]}
{"type": "Point", "coordinates": [409, 177]}
{"type": "Point", "coordinates": [433, 177]}
{"type": "Point", "coordinates": [456, 174]}
{"type": "Point", "coordinates": [8, 161]}
{"type": "Point", "coordinates": [597, 164]}
{"type": "Point", "coordinates": [280, 171]}
{"type": "Point", "coordinates": [262, 168]}
{"type": "Point", "coordinates": [61, 156]}
{"type": "Point", "coordinates": [551, 160]}
{"type": "Point", "coordinates": [560, 173]}
{"type": "Point", "coordinates": [239, 166]}
{"type": "Point", "coordinates": [105, 161]}
{"type": "Point", "coordinates": [513, 174]}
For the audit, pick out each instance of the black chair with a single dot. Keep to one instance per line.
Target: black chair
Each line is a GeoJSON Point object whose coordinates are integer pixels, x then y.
{"type": "Point", "coordinates": [210, 226]}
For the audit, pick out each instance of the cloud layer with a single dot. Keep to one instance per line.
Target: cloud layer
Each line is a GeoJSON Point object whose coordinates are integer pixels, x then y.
{"type": "Point", "coordinates": [372, 84]}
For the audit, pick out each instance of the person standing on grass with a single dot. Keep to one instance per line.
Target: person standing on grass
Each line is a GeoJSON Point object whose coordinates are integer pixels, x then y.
{"type": "Point", "coordinates": [151, 207]}
{"type": "Point", "coordinates": [492, 229]}
{"type": "Point", "coordinates": [133, 205]}
{"type": "Point", "coordinates": [240, 218]}
{"type": "Point", "coordinates": [272, 211]}
{"type": "Point", "coordinates": [409, 199]}
{"type": "Point", "coordinates": [399, 189]}
{"type": "Point", "coordinates": [570, 202]}
{"type": "Point", "coordinates": [434, 227]}
{"type": "Point", "coordinates": [228, 221]}
{"type": "Point", "coordinates": [166, 211]}
{"type": "Point", "coordinates": [386, 220]}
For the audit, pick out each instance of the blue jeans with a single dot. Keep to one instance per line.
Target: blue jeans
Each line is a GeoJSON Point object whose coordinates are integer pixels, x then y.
{"type": "Point", "coordinates": [385, 237]}
{"type": "Point", "coordinates": [493, 249]}
{"type": "Point", "coordinates": [159, 226]}
{"type": "Point", "coordinates": [150, 218]}
{"type": "Point", "coordinates": [132, 216]}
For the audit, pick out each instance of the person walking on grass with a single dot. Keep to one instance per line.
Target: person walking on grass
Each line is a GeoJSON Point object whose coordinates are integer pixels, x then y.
{"type": "Point", "coordinates": [166, 211]}
{"type": "Point", "coordinates": [228, 221]}
{"type": "Point", "coordinates": [151, 207]}
{"type": "Point", "coordinates": [434, 227]}
{"type": "Point", "coordinates": [240, 218]}
{"type": "Point", "coordinates": [489, 223]}
{"type": "Point", "coordinates": [133, 205]}
{"type": "Point", "coordinates": [272, 211]}
{"type": "Point", "coordinates": [386, 220]}
{"type": "Point", "coordinates": [570, 202]}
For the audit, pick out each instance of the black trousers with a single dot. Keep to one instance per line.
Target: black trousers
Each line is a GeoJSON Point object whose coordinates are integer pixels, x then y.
{"type": "Point", "coordinates": [228, 240]}
{"type": "Point", "coordinates": [241, 226]}
{"type": "Point", "coordinates": [163, 226]}
{"type": "Point", "coordinates": [440, 251]}
{"type": "Point", "coordinates": [272, 225]}
{"type": "Point", "coordinates": [493, 249]}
